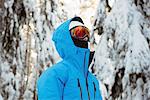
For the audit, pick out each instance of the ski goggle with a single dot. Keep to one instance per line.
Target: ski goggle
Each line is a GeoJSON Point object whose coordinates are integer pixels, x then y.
{"type": "Point", "coordinates": [80, 32]}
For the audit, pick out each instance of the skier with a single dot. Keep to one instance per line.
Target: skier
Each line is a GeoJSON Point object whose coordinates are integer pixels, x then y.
{"type": "Point", "coordinates": [70, 79]}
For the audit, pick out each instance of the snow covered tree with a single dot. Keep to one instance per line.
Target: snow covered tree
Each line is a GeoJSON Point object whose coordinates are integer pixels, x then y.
{"type": "Point", "coordinates": [26, 46]}
{"type": "Point", "coordinates": [122, 56]}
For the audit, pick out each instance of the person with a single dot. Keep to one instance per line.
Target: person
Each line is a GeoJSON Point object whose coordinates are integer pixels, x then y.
{"type": "Point", "coordinates": [70, 79]}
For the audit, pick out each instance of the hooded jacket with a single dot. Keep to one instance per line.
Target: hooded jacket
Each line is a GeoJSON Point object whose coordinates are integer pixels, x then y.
{"type": "Point", "coordinates": [69, 79]}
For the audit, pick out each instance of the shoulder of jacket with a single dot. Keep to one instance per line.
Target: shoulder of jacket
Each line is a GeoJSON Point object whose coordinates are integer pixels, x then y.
{"type": "Point", "coordinates": [58, 71]}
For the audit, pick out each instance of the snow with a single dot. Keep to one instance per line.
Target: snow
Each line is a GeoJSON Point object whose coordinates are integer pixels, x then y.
{"type": "Point", "coordinates": [1, 98]}
{"type": "Point", "coordinates": [32, 49]}
{"type": "Point", "coordinates": [123, 44]}
{"type": "Point", "coordinates": [111, 2]}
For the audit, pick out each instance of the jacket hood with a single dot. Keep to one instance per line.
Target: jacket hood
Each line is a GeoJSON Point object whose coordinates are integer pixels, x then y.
{"type": "Point", "coordinates": [68, 51]}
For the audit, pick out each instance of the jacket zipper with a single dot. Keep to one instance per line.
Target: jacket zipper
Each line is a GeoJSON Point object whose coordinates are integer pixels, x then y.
{"type": "Point", "coordinates": [86, 78]}
{"type": "Point", "coordinates": [94, 90]}
{"type": "Point", "coordinates": [80, 89]}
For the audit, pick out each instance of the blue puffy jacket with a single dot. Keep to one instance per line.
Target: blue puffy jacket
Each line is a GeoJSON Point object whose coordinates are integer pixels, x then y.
{"type": "Point", "coordinates": [70, 78]}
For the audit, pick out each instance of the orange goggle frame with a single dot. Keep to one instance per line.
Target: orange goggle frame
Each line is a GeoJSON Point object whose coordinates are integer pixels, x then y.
{"type": "Point", "coordinates": [81, 33]}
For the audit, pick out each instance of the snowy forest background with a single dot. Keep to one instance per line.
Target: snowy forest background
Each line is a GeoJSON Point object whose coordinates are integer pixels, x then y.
{"type": "Point", "coordinates": [120, 33]}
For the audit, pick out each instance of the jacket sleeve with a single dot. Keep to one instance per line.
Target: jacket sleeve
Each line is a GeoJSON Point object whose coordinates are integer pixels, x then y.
{"type": "Point", "coordinates": [50, 85]}
{"type": "Point", "coordinates": [99, 91]}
